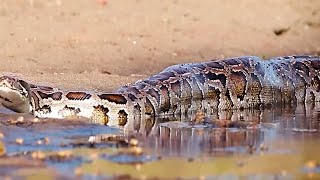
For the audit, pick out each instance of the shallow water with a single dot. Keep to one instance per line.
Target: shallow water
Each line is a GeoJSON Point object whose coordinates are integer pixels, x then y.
{"type": "Point", "coordinates": [280, 143]}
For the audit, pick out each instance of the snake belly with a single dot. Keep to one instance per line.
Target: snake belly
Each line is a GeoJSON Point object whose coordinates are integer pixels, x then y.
{"type": "Point", "coordinates": [183, 89]}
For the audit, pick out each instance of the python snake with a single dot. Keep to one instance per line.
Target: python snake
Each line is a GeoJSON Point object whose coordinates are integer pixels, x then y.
{"type": "Point", "coordinates": [179, 90]}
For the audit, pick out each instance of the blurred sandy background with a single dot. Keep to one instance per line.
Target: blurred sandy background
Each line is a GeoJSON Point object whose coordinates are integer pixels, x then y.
{"type": "Point", "coordinates": [102, 44]}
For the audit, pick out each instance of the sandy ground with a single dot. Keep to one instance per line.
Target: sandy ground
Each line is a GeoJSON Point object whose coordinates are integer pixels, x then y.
{"type": "Point", "coordinates": [100, 45]}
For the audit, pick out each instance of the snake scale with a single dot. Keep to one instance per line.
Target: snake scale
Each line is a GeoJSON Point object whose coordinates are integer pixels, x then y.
{"type": "Point", "coordinates": [179, 90]}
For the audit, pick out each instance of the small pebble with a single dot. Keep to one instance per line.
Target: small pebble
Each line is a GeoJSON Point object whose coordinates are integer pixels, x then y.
{"type": "Point", "coordinates": [46, 140]}
{"type": "Point", "coordinates": [240, 163]}
{"type": "Point", "coordinates": [190, 159]}
{"type": "Point", "coordinates": [133, 142]}
{"type": "Point", "coordinates": [138, 167]}
{"type": "Point", "coordinates": [92, 139]}
{"type": "Point", "coordinates": [35, 120]}
{"type": "Point", "coordinates": [1, 135]}
{"type": "Point", "coordinates": [137, 151]}
{"type": "Point", "coordinates": [20, 119]}
{"type": "Point", "coordinates": [78, 171]}
{"type": "Point", "coordinates": [19, 141]}
{"type": "Point", "coordinates": [263, 147]}
{"type": "Point", "coordinates": [311, 164]}
{"type": "Point", "coordinates": [38, 155]}
{"type": "Point", "coordinates": [39, 142]}
{"type": "Point", "coordinates": [64, 154]}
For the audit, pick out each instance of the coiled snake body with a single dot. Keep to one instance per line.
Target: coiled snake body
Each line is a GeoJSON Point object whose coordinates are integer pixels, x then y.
{"type": "Point", "coordinates": [179, 90]}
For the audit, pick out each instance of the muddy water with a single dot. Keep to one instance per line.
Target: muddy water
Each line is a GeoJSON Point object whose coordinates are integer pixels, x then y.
{"type": "Point", "coordinates": [279, 143]}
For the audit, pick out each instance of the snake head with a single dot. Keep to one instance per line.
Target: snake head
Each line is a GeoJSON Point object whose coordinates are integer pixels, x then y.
{"type": "Point", "coordinates": [14, 94]}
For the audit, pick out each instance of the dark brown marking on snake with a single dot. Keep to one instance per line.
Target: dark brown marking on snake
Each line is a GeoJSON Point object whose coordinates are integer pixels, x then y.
{"type": "Point", "coordinates": [167, 73]}
{"type": "Point", "coordinates": [160, 77]}
{"type": "Point", "coordinates": [199, 66]}
{"type": "Point", "coordinates": [151, 82]}
{"type": "Point", "coordinates": [186, 91]}
{"type": "Point", "coordinates": [154, 93]}
{"type": "Point", "coordinates": [132, 97]}
{"type": "Point", "coordinates": [150, 122]}
{"type": "Point", "coordinates": [54, 96]}
{"type": "Point", "coordinates": [245, 61]}
{"type": "Point", "coordinates": [232, 62]}
{"type": "Point", "coordinates": [200, 78]}
{"type": "Point", "coordinates": [133, 89]}
{"type": "Point", "coordinates": [229, 101]}
{"type": "Point", "coordinates": [73, 109]}
{"type": "Point", "coordinates": [137, 117]}
{"type": "Point", "coordinates": [315, 65]}
{"type": "Point", "coordinates": [122, 118]}
{"type": "Point", "coordinates": [141, 85]}
{"type": "Point", "coordinates": [215, 65]}
{"type": "Point", "coordinates": [100, 114]}
{"type": "Point", "coordinates": [115, 98]}
{"type": "Point", "coordinates": [165, 99]}
{"type": "Point", "coordinates": [78, 96]}
{"type": "Point", "coordinates": [45, 109]}
{"type": "Point", "coordinates": [176, 88]}
{"type": "Point", "coordinates": [45, 88]}
{"type": "Point", "coordinates": [312, 96]}
{"type": "Point", "coordinates": [284, 65]}
{"type": "Point", "coordinates": [34, 100]}
{"type": "Point", "coordinates": [196, 91]}
{"type": "Point", "coordinates": [43, 95]}
{"type": "Point", "coordinates": [254, 89]}
{"type": "Point", "coordinates": [238, 83]}
{"type": "Point", "coordinates": [301, 56]}
{"type": "Point", "coordinates": [33, 86]}
{"type": "Point", "coordinates": [212, 76]}
{"type": "Point", "coordinates": [182, 71]}
{"type": "Point", "coordinates": [301, 66]}
{"type": "Point", "coordinates": [57, 96]}
{"type": "Point", "coordinates": [149, 109]}
{"type": "Point", "coordinates": [316, 83]}
{"type": "Point", "coordinates": [213, 94]}
{"type": "Point", "coordinates": [259, 69]}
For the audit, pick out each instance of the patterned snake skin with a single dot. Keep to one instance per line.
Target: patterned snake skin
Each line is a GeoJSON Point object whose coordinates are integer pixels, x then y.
{"type": "Point", "coordinates": [180, 90]}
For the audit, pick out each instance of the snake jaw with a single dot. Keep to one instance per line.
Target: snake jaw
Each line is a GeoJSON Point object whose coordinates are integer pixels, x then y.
{"type": "Point", "coordinates": [14, 94]}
